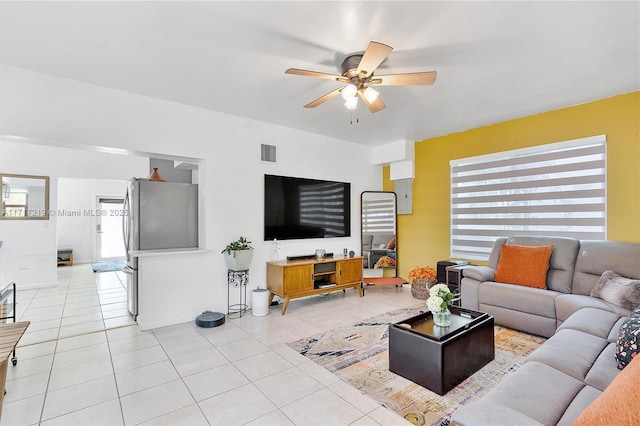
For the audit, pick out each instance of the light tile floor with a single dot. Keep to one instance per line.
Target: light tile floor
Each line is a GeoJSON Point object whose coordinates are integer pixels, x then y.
{"type": "Point", "coordinates": [93, 367]}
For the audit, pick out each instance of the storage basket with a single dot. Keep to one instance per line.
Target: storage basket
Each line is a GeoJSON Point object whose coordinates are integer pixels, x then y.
{"type": "Point", "coordinates": [420, 288]}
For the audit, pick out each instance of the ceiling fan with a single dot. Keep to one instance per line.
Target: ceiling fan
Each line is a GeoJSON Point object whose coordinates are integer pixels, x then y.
{"type": "Point", "coordinates": [358, 74]}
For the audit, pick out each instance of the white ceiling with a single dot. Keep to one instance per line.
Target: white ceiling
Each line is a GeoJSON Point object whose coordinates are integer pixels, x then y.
{"type": "Point", "coordinates": [495, 60]}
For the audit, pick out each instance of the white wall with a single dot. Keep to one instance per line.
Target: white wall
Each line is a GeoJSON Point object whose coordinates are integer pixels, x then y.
{"type": "Point", "coordinates": [230, 171]}
{"type": "Point", "coordinates": [78, 197]}
{"type": "Point", "coordinates": [30, 246]}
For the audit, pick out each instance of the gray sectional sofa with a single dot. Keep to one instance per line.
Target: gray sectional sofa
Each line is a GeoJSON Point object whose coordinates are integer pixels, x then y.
{"type": "Point", "coordinates": [577, 363]}
{"type": "Point", "coordinates": [574, 268]}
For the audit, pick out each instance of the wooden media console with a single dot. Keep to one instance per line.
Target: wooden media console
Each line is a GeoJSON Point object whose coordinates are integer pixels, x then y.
{"type": "Point", "coordinates": [293, 279]}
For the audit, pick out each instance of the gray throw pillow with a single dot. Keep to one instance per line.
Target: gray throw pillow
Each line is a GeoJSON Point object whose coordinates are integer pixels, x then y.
{"type": "Point", "coordinates": [616, 289]}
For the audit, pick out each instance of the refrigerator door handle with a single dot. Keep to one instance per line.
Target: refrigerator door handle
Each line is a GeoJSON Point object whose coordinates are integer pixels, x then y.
{"type": "Point", "coordinates": [125, 222]}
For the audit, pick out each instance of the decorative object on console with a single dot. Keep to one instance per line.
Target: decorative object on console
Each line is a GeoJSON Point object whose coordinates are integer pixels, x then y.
{"type": "Point", "coordinates": [238, 254]}
{"type": "Point", "coordinates": [352, 253]}
{"type": "Point", "coordinates": [618, 290]}
{"type": "Point", "coordinates": [439, 301]}
{"type": "Point", "coordinates": [155, 176]}
{"type": "Point", "coordinates": [421, 279]}
{"type": "Point", "coordinates": [275, 253]}
{"type": "Point", "coordinates": [524, 265]}
{"type": "Point", "coordinates": [321, 253]}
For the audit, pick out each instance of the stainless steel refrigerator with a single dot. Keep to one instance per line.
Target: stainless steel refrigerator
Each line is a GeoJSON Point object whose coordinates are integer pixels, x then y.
{"type": "Point", "coordinates": [158, 215]}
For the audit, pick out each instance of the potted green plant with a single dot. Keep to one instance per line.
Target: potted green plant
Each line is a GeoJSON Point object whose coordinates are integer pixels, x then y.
{"type": "Point", "coordinates": [238, 254]}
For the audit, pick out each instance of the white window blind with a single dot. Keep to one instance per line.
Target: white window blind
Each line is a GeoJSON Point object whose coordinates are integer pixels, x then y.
{"type": "Point", "coordinates": [378, 216]}
{"type": "Point", "coordinates": [322, 206]}
{"type": "Point", "coordinates": [556, 189]}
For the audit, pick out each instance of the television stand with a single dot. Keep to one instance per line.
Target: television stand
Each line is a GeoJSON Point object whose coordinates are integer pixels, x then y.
{"type": "Point", "coordinates": [293, 279]}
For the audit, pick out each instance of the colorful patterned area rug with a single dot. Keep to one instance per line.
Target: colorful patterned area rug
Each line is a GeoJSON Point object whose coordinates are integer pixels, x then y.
{"type": "Point", "coordinates": [359, 354]}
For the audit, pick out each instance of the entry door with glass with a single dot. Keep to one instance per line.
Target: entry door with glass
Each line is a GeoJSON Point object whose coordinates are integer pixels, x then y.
{"type": "Point", "coordinates": [109, 239]}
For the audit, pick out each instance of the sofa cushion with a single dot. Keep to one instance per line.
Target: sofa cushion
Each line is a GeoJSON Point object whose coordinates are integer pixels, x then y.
{"type": "Point", "coordinates": [524, 265]}
{"type": "Point", "coordinates": [536, 390]}
{"type": "Point", "coordinates": [616, 289]}
{"type": "Point", "coordinates": [367, 242]}
{"type": "Point", "coordinates": [618, 404]}
{"type": "Point", "coordinates": [568, 304]}
{"type": "Point", "coordinates": [489, 413]}
{"type": "Point", "coordinates": [584, 398]}
{"type": "Point", "coordinates": [594, 321]}
{"type": "Point", "coordinates": [604, 370]}
{"type": "Point", "coordinates": [627, 344]}
{"type": "Point", "coordinates": [523, 321]}
{"type": "Point", "coordinates": [519, 298]}
{"type": "Point", "coordinates": [595, 257]}
{"type": "Point", "coordinates": [570, 351]}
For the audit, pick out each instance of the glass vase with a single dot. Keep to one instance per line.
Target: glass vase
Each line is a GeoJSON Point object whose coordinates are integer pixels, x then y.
{"type": "Point", "coordinates": [442, 318]}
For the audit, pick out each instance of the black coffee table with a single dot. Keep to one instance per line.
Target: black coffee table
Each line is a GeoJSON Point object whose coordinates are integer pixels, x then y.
{"type": "Point", "coordinates": [439, 358]}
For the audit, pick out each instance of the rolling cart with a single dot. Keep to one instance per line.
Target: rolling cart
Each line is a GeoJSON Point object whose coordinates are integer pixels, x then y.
{"type": "Point", "coordinates": [8, 310]}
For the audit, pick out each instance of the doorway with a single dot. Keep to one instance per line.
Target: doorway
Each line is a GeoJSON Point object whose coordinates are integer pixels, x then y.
{"type": "Point", "coordinates": [109, 238]}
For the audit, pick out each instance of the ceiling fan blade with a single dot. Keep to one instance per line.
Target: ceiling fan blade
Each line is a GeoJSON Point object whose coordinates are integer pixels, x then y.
{"type": "Point", "coordinates": [374, 107]}
{"type": "Point", "coordinates": [409, 79]}
{"type": "Point", "coordinates": [305, 73]}
{"type": "Point", "coordinates": [373, 57]}
{"type": "Point", "coordinates": [324, 98]}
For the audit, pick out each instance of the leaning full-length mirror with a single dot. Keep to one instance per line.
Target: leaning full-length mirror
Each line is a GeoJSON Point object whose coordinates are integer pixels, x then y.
{"type": "Point", "coordinates": [24, 197]}
{"type": "Point", "coordinates": [379, 233]}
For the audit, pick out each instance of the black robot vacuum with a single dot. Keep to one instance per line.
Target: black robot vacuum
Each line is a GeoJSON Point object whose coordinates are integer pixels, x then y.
{"type": "Point", "coordinates": [210, 319]}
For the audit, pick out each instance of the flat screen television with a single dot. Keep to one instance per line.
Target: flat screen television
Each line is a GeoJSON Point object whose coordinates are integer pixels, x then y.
{"type": "Point", "coordinates": [298, 208]}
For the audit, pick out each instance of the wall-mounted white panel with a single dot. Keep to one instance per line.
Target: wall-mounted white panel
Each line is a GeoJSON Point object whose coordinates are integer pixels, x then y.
{"type": "Point", "coordinates": [395, 151]}
{"type": "Point", "coordinates": [401, 170]}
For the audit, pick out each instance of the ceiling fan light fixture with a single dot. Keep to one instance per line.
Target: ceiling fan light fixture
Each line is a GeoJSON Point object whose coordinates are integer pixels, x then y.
{"type": "Point", "coordinates": [349, 91]}
{"type": "Point", "coordinates": [351, 103]}
{"type": "Point", "coordinates": [370, 94]}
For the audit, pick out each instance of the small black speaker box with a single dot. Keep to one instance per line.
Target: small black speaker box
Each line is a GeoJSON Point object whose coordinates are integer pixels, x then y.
{"type": "Point", "coordinates": [441, 272]}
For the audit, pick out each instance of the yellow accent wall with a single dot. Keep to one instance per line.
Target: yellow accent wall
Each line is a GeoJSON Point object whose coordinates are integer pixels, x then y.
{"type": "Point", "coordinates": [423, 237]}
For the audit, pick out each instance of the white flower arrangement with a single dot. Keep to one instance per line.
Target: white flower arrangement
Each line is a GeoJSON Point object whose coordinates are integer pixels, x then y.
{"type": "Point", "coordinates": [434, 303]}
{"type": "Point", "coordinates": [440, 298]}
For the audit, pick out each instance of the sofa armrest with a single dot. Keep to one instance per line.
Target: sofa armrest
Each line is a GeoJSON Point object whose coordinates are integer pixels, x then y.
{"type": "Point", "coordinates": [480, 273]}
{"type": "Point", "coordinates": [382, 252]}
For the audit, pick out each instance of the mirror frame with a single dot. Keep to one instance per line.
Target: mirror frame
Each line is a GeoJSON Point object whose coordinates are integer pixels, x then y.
{"type": "Point", "coordinates": [44, 216]}
{"type": "Point", "coordinates": [395, 225]}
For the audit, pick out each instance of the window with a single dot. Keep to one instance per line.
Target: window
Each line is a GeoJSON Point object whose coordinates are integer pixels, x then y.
{"type": "Point", "coordinates": [378, 214]}
{"type": "Point", "coordinates": [556, 189]}
{"type": "Point", "coordinates": [15, 204]}
{"type": "Point", "coordinates": [322, 205]}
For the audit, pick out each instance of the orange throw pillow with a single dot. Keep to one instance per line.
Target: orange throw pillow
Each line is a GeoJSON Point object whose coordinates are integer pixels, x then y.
{"type": "Point", "coordinates": [391, 244]}
{"type": "Point", "coordinates": [524, 265]}
{"type": "Point", "coordinates": [618, 404]}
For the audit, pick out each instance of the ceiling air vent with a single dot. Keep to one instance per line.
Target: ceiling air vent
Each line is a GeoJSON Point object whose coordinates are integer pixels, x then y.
{"type": "Point", "coordinates": [268, 153]}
